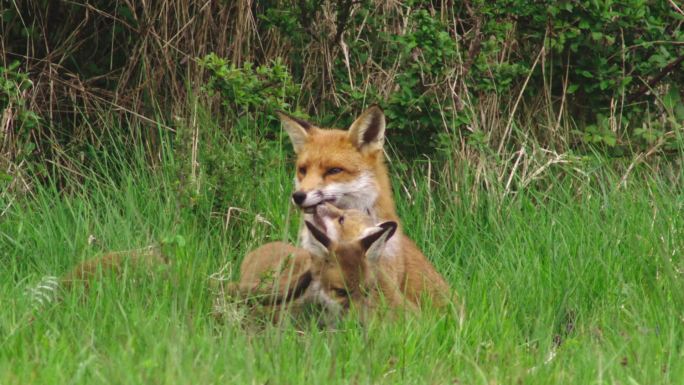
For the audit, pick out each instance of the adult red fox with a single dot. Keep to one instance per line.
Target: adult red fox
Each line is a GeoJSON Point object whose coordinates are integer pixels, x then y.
{"type": "Point", "coordinates": [347, 169]}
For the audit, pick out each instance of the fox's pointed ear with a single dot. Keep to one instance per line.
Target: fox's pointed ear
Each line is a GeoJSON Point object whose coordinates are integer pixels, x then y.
{"type": "Point", "coordinates": [298, 129]}
{"type": "Point", "coordinates": [320, 236]}
{"type": "Point", "coordinates": [374, 242]}
{"type": "Point", "coordinates": [368, 130]}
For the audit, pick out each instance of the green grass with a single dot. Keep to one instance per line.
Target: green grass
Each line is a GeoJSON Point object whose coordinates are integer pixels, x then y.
{"type": "Point", "coordinates": [572, 285]}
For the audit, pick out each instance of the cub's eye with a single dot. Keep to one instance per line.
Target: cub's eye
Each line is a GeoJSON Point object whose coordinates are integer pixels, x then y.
{"type": "Point", "coordinates": [341, 220]}
{"type": "Point", "coordinates": [302, 170]}
{"type": "Point", "coordinates": [333, 171]}
{"type": "Point", "coordinates": [341, 292]}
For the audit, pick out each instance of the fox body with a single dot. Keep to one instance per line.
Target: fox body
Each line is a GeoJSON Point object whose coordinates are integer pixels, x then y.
{"type": "Point", "coordinates": [112, 263]}
{"type": "Point", "coordinates": [274, 278]}
{"type": "Point", "coordinates": [347, 170]}
{"type": "Point", "coordinates": [273, 274]}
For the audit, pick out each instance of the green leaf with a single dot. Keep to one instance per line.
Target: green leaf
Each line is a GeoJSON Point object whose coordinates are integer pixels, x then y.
{"type": "Point", "coordinates": [179, 240]}
{"type": "Point", "coordinates": [672, 98]}
{"type": "Point", "coordinates": [586, 74]}
{"type": "Point", "coordinates": [610, 140]}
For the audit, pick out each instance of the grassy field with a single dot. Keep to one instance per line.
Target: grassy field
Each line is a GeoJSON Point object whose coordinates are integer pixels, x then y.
{"type": "Point", "coordinates": [579, 284]}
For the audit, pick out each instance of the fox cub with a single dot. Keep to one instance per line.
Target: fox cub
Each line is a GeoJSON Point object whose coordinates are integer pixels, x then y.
{"type": "Point", "coordinates": [350, 271]}
{"type": "Point", "coordinates": [273, 274]}
{"type": "Point", "coordinates": [84, 273]}
{"type": "Point", "coordinates": [279, 276]}
{"type": "Point", "coordinates": [346, 270]}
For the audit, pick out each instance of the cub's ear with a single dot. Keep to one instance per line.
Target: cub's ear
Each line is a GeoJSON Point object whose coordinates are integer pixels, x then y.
{"type": "Point", "coordinates": [318, 235]}
{"type": "Point", "coordinates": [374, 242]}
{"type": "Point", "coordinates": [298, 129]}
{"type": "Point", "coordinates": [390, 227]}
{"type": "Point", "coordinates": [368, 130]}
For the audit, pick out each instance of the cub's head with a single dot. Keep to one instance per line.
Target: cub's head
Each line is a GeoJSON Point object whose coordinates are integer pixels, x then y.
{"type": "Point", "coordinates": [345, 259]}
{"type": "Point", "coordinates": [337, 224]}
{"type": "Point", "coordinates": [337, 166]}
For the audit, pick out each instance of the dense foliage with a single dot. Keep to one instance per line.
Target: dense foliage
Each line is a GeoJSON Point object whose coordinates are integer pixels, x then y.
{"type": "Point", "coordinates": [509, 87]}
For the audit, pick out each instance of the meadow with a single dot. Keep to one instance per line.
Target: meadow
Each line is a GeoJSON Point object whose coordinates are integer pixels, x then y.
{"type": "Point", "coordinates": [581, 283]}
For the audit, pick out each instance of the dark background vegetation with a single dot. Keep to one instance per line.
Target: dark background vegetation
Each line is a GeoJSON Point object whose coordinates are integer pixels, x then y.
{"type": "Point", "coordinates": [508, 88]}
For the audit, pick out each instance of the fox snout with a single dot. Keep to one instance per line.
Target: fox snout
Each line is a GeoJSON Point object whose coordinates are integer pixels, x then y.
{"type": "Point", "coordinates": [308, 200]}
{"type": "Point", "coordinates": [298, 197]}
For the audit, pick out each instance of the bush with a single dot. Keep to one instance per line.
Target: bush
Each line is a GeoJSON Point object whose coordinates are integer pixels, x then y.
{"type": "Point", "coordinates": [472, 77]}
{"type": "Point", "coordinates": [16, 117]}
{"type": "Point", "coordinates": [433, 67]}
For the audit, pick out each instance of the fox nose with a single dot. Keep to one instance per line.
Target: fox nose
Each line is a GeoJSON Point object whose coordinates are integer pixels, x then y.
{"type": "Point", "coordinates": [298, 197]}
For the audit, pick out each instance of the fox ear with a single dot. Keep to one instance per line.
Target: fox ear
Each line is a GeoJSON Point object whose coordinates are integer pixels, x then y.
{"type": "Point", "coordinates": [368, 130]}
{"type": "Point", "coordinates": [296, 128]}
{"type": "Point", "coordinates": [320, 236]}
{"type": "Point", "coordinates": [374, 242]}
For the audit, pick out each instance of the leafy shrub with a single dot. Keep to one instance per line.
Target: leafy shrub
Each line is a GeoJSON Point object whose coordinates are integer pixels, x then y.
{"type": "Point", "coordinates": [249, 92]}
{"type": "Point", "coordinates": [15, 115]}
{"type": "Point", "coordinates": [249, 97]}
{"type": "Point", "coordinates": [429, 65]}
{"type": "Point", "coordinates": [448, 74]}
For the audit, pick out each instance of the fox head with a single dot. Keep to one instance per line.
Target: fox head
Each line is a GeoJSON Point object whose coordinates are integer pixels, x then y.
{"type": "Point", "coordinates": [345, 168]}
{"type": "Point", "coordinates": [337, 224]}
{"type": "Point", "coordinates": [345, 264]}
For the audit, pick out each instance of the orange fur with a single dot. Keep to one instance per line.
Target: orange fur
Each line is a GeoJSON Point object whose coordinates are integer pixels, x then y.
{"type": "Point", "coordinates": [273, 277]}
{"type": "Point", "coordinates": [112, 263]}
{"type": "Point", "coordinates": [355, 152]}
{"type": "Point", "coordinates": [272, 272]}
{"type": "Point", "coordinates": [331, 148]}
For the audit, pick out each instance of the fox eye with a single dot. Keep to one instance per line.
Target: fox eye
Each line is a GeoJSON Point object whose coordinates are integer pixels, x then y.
{"type": "Point", "coordinates": [341, 220]}
{"type": "Point", "coordinates": [333, 171]}
{"type": "Point", "coordinates": [302, 170]}
{"type": "Point", "coordinates": [341, 292]}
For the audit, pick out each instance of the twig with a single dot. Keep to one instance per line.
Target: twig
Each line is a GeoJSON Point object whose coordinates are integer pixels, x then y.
{"type": "Point", "coordinates": [676, 7]}
{"type": "Point", "coordinates": [475, 43]}
{"type": "Point", "coordinates": [651, 83]}
{"type": "Point", "coordinates": [521, 153]}
{"type": "Point", "coordinates": [642, 156]}
{"type": "Point", "coordinates": [507, 131]}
